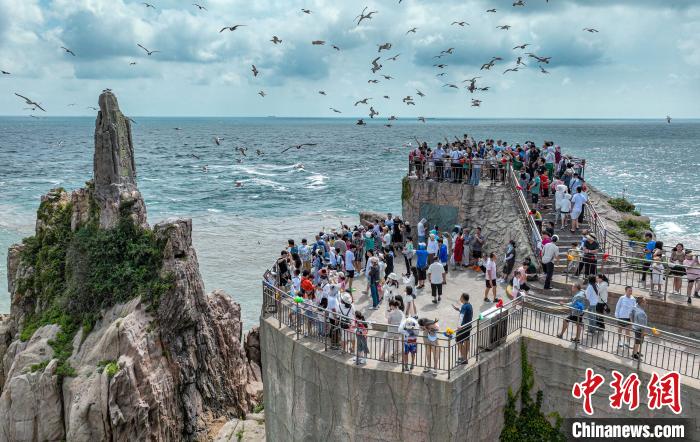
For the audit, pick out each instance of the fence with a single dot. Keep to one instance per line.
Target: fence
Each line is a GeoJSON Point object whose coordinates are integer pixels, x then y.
{"type": "Point", "coordinates": [470, 172]}
{"type": "Point", "coordinates": [383, 343]}
{"type": "Point", "coordinates": [524, 209]}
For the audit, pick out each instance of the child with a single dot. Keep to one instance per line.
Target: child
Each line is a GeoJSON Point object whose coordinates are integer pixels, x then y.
{"type": "Point", "coordinates": [408, 328]}
{"type": "Point", "coordinates": [305, 255]}
{"type": "Point", "coordinates": [296, 282]}
{"type": "Point", "coordinates": [565, 209]}
{"type": "Point", "coordinates": [361, 331]}
{"type": "Point", "coordinates": [657, 273]}
{"type": "Point", "coordinates": [575, 254]}
{"type": "Point", "coordinates": [410, 304]}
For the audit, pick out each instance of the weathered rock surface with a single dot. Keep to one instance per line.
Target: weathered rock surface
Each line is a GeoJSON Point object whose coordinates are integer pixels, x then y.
{"type": "Point", "coordinates": [250, 429]}
{"type": "Point", "coordinates": [141, 373]}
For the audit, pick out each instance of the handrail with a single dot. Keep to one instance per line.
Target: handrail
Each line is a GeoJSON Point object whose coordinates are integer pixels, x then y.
{"type": "Point", "coordinates": [524, 208]}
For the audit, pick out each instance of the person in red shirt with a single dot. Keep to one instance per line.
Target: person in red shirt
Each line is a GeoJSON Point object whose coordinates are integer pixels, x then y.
{"type": "Point", "coordinates": [544, 183]}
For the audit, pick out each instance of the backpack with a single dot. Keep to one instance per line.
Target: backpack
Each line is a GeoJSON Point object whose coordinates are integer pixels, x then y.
{"type": "Point", "coordinates": [578, 305]}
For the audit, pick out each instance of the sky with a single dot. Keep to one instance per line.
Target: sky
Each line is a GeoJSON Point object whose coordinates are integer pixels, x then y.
{"type": "Point", "coordinates": [643, 63]}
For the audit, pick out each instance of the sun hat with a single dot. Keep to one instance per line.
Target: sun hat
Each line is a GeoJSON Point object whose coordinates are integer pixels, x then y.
{"type": "Point", "coordinates": [368, 234]}
{"type": "Point", "coordinates": [346, 298]}
{"type": "Point", "coordinates": [393, 277]}
{"type": "Point", "coordinates": [410, 324]}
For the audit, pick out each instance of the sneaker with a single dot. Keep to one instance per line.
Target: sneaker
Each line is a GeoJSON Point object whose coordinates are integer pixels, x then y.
{"type": "Point", "coordinates": [426, 370]}
{"type": "Point", "coordinates": [435, 301]}
{"type": "Point", "coordinates": [487, 300]}
{"type": "Point", "coordinates": [439, 298]}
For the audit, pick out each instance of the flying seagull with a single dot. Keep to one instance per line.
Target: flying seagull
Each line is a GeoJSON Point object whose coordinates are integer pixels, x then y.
{"type": "Point", "coordinates": [335, 47]}
{"type": "Point", "coordinates": [490, 10]}
{"type": "Point", "coordinates": [420, 94]}
{"type": "Point", "coordinates": [376, 66]}
{"type": "Point", "coordinates": [488, 65]}
{"type": "Point", "coordinates": [476, 103]}
{"type": "Point", "coordinates": [94, 108]}
{"type": "Point", "coordinates": [515, 69]}
{"type": "Point", "coordinates": [504, 27]}
{"type": "Point", "coordinates": [132, 63]}
{"type": "Point", "coordinates": [544, 60]}
{"type": "Point", "coordinates": [364, 16]}
{"type": "Point", "coordinates": [200, 7]}
{"type": "Point", "coordinates": [441, 74]}
{"type": "Point", "coordinates": [230, 28]}
{"type": "Point", "coordinates": [460, 23]}
{"type": "Point", "coordinates": [519, 3]}
{"type": "Point", "coordinates": [450, 85]}
{"type": "Point", "coordinates": [298, 146]}
{"type": "Point", "coordinates": [322, 92]}
{"type": "Point", "coordinates": [318, 42]}
{"type": "Point", "coordinates": [148, 5]}
{"type": "Point", "coordinates": [147, 51]}
{"type": "Point", "coordinates": [255, 71]}
{"type": "Point", "coordinates": [372, 112]}
{"type": "Point", "coordinates": [591, 30]}
{"type": "Point", "coordinates": [407, 98]}
{"type": "Point", "coordinates": [412, 30]}
{"type": "Point", "coordinates": [385, 46]}
{"type": "Point", "coordinates": [519, 61]}
{"type": "Point", "coordinates": [441, 65]}
{"type": "Point", "coordinates": [276, 40]}
{"type": "Point", "coordinates": [388, 77]}
{"type": "Point", "coordinates": [522, 46]}
{"type": "Point", "coordinates": [306, 11]}
{"type": "Point", "coordinates": [543, 70]}
{"type": "Point", "coordinates": [30, 102]}
{"type": "Point", "coordinates": [387, 97]}
{"type": "Point", "coordinates": [335, 110]}
{"type": "Point", "coordinates": [262, 94]}
{"type": "Point", "coordinates": [394, 57]}
{"type": "Point", "coordinates": [373, 81]}
{"type": "Point", "coordinates": [5, 73]}
{"type": "Point", "coordinates": [68, 51]}
{"type": "Point", "coordinates": [363, 101]}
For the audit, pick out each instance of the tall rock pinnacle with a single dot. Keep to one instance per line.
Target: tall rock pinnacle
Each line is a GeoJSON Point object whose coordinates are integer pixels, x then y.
{"type": "Point", "coordinates": [114, 169]}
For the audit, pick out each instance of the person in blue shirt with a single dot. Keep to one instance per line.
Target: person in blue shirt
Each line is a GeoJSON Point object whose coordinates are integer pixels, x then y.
{"type": "Point", "coordinates": [648, 255]}
{"type": "Point", "coordinates": [421, 264]}
{"type": "Point", "coordinates": [466, 315]}
{"type": "Point", "coordinates": [443, 254]}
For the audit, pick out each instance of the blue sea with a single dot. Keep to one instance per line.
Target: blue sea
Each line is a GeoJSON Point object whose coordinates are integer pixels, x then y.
{"type": "Point", "coordinates": [238, 231]}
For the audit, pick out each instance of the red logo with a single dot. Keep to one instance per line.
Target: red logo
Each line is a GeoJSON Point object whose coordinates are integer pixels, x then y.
{"type": "Point", "coordinates": [626, 391]}
{"type": "Point", "coordinates": [665, 391]}
{"type": "Point", "coordinates": [587, 388]}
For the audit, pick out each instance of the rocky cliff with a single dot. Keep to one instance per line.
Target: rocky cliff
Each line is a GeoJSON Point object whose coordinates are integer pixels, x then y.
{"type": "Point", "coordinates": [111, 335]}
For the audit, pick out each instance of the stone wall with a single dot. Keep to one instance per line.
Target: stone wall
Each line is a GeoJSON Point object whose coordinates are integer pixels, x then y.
{"type": "Point", "coordinates": [310, 395]}
{"type": "Point", "coordinates": [492, 208]}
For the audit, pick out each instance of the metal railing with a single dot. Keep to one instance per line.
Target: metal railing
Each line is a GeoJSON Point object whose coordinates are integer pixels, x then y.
{"type": "Point", "coordinates": [472, 172]}
{"type": "Point", "coordinates": [524, 209]}
{"type": "Point", "coordinates": [634, 272]}
{"type": "Point", "coordinates": [383, 342]}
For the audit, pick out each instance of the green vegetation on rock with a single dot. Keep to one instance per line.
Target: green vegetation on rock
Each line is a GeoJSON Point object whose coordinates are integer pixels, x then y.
{"type": "Point", "coordinates": [530, 424]}
{"type": "Point", "coordinates": [634, 229]}
{"type": "Point", "coordinates": [110, 368]}
{"type": "Point", "coordinates": [405, 189]}
{"type": "Point", "coordinates": [79, 274]}
{"type": "Point", "coordinates": [623, 205]}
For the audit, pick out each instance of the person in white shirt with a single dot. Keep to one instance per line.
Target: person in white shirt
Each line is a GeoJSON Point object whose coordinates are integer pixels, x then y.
{"type": "Point", "coordinates": [432, 248]}
{"type": "Point", "coordinates": [593, 299]}
{"type": "Point", "coordinates": [577, 202]}
{"type": "Point", "coordinates": [350, 266]}
{"type": "Point", "coordinates": [550, 255]}
{"type": "Point", "coordinates": [565, 209]}
{"type": "Point", "coordinates": [394, 316]}
{"type": "Point", "coordinates": [559, 191]}
{"type": "Point", "coordinates": [490, 273]}
{"type": "Point", "coordinates": [436, 273]}
{"type": "Point", "coordinates": [623, 308]}
{"type": "Point", "coordinates": [421, 230]}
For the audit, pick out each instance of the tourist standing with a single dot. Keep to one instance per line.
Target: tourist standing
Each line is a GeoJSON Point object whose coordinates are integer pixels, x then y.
{"type": "Point", "coordinates": [648, 255]}
{"type": "Point", "coordinates": [421, 230]}
{"type": "Point", "coordinates": [361, 332]}
{"type": "Point", "coordinates": [409, 329]}
{"type": "Point", "coordinates": [436, 272]}
{"type": "Point", "coordinates": [589, 263]}
{"type": "Point", "coordinates": [638, 317]}
{"type": "Point", "coordinates": [490, 276]}
{"type": "Point", "coordinates": [623, 308]}
{"type": "Point", "coordinates": [577, 202]}
{"type": "Point", "coordinates": [430, 341]}
{"type": "Point", "coordinates": [443, 254]}
{"type": "Point", "coordinates": [593, 298]}
{"type": "Point", "coordinates": [550, 256]}
{"type": "Point", "coordinates": [676, 267]}
{"type": "Point", "coordinates": [458, 251]}
{"type": "Point", "coordinates": [692, 266]}
{"type": "Point", "coordinates": [373, 280]}
{"type": "Point", "coordinates": [394, 317]}
{"type": "Point", "coordinates": [577, 307]}
{"type": "Point", "coordinates": [466, 314]}
{"type": "Point", "coordinates": [408, 251]}
{"type": "Point", "coordinates": [477, 244]}
{"type": "Point", "coordinates": [421, 264]}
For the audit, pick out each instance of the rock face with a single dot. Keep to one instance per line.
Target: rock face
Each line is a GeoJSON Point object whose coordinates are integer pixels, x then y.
{"type": "Point", "coordinates": [145, 371]}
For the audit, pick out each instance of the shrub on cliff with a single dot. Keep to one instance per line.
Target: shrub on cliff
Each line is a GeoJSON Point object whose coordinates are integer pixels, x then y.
{"type": "Point", "coordinates": [530, 424]}
{"type": "Point", "coordinates": [623, 205]}
{"type": "Point", "coordinates": [634, 229]}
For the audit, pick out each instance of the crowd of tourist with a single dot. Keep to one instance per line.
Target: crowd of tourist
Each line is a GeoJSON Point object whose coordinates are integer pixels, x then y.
{"type": "Point", "coordinates": [321, 274]}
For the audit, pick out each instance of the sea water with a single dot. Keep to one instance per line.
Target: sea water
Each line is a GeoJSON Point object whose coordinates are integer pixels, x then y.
{"type": "Point", "coordinates": [239, 231]}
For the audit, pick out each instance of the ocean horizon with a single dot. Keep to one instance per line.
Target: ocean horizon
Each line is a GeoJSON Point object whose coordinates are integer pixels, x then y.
{"type": "Point", "coordinates": [238, 232]}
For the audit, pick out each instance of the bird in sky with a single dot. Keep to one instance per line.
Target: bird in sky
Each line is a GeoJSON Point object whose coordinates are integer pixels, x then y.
{"type": "Point", "coordinates": [30, 102]}
{"type": "Point", "coordinates": [387, 97]}
{"type": "Point", "coordinates": [515, 69]}
{"type": "Point", "coordinates": [420, 94]}
{"type": "Point", "coordinates": [276, 40]}
{"type": "Point", "coordinates": [519, 61]}
{"type": "Point", "coordinates": [388, 77]}
{"type": "Point", "coordinates": [318, 42]}
{"type": "Point", "coordinates": [485, 88]}
{"type": "Point", "coordinates": [522, 46]}
{"type": "Point", "coordinates": [322, 92]}
{"type": "Point", "coordinates": [394, 57]}
{"type": "Point", "coordinates": [255, 71]}
{"type": "Point", "coordinates": [335, 110]}
{"type": "Point", "coordinates": [384, 47]}
{"type": "Point", "coordinates": [544, 60]}
{"type": "Point", "coordinates": [490, 10]}
{"type": "Point", "coordinates": [476, 103]}
{"type": "Point", "coordinates": [218, 141]}
{"type": "Point", "coordinates": [412, 30]}
{"type": "Point", "coordinates": [361, 122]}
{"type": "Point", "coordinates": [147, 51]}
{"type": "Point", "coordinates": [407, 98]}
{"type": "Point", "coordinates": [441, 66]}
{"type": "Point", "coordinates": [200, 7]}
{"type": "Point", "coordinates": [519, 3]}
{"type": "Point", "coordinates": [148, 5]}
{"type": "Point", "coordinates": [441, 74]}
{"type": "Point", "coordinates": [375, 65]}
{"type": "Point", "coordinates": [543, 70]}
{"type": "Point", "coordinates": [448, 51]}
{"type": "Point", "coordinates": [306, 11]}
{"type": "Point", "coordinates": [68, 51]}
{"type": "Point", "coordinates": [5, 72]}
{"type": "Point", "coordinates": [591, 30]}
{"type": "Point", "coordinates": [373, 81]}
{"type": "Point", "coordinates": [504, 27]}
{"type": "Point", "coordinates": [230, 28]}
{"type": "Point", "coordinates": [299, 146]}
{"type": "Point", "coordinates": [487, 66]}
{"type": "Point", "coordinates": [335, 47]}
{"type": "Point", "coordinates": [363, 101]}
{"type": "Point", "coordinates": [96, 109]}
{"type": "Point", "coordinates": [133, 63]}
{"type": "Point", "coordinates": [450, 85]}
{"type": "Point", "coordinates": [372, 112]}
{"type": "Point", "coordinates": [421, 119]}
{"type": "Point", "coordinates": [459, 23]}
{"type": "Point", "coordinates": [262, 94]}
{"type": "Point", "coordinates": [365, 16]}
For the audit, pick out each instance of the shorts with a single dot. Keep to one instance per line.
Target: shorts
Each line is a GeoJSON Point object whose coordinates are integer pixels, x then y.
{"type": "Point", "coordinates": [490, 283]}
{"type": "Point", "coordinates": [421, 274]}
{"type": "Point", "coordinates": [350, 273]}
{"type": "Point", "coordinates": [638, 337]}
{"type": "Point", "coordinates": [476, 254]}
{"type": "Point", "coordinates": [623, 324]}
{"type": "Point", "coordinates": [535, 197]}
{"type": "Point", "coordinates": [575, 214]}
{"type": "Point", "coordinates": [575, 318]}
{"type": "Point", "coordinates": [410, 348]}
{"type": "Point", "coordinates": [463, 334]}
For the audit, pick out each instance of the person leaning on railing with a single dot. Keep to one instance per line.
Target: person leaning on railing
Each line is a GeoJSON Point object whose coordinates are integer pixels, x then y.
{"type": "Point", "coordinates": [692, 265]}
